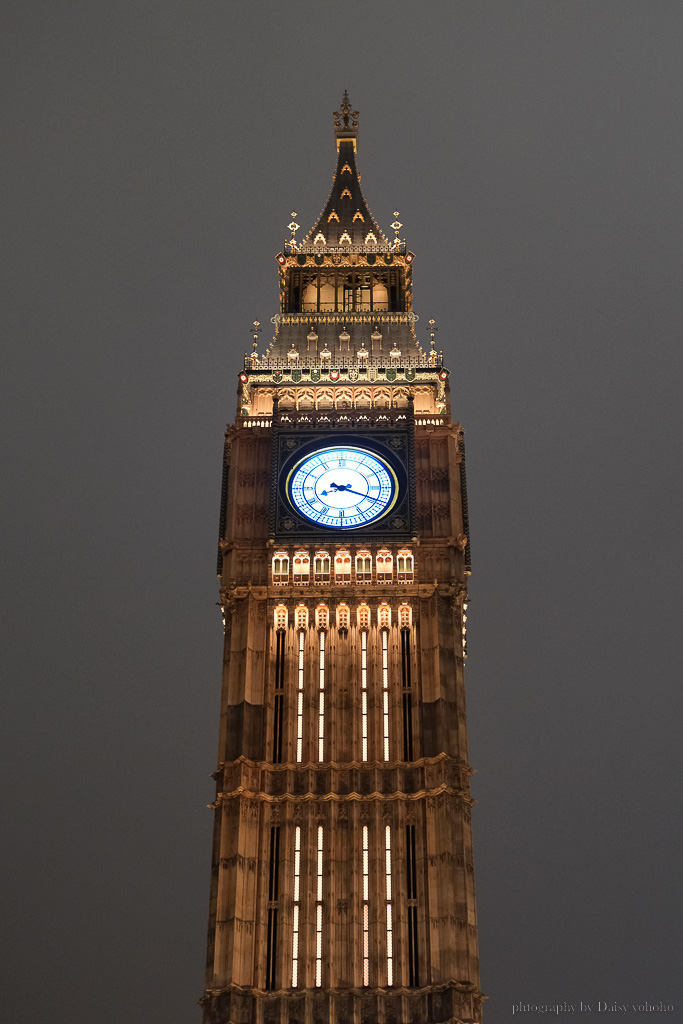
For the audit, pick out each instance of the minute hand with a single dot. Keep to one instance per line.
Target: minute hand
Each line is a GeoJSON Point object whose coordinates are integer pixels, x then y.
{"type": "Point", "coordinates": [348, 490]}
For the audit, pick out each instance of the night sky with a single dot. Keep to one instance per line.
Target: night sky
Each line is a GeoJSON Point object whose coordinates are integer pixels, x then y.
{"type": "Point", "coordinates": [153, 155]}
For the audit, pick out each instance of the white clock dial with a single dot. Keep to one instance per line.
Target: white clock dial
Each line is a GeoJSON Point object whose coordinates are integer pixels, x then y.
{"type": "Point", "coordinates": [342, 487]}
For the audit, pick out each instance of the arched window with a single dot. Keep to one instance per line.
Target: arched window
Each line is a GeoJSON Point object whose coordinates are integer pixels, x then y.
{"type": "Point", "coordinates": [322, 616]}
{"type": "Point", "coordinates": [280, 567]}
{"type": "Point", "coordinates": [363, 567]}
{"type": "Point", "coordinates": [301, 616]}
{"type": "Point", "coordinates": [342, 567]}
{"type": "Point", "coordinates": [343, 617]}
{"type": "Point", "coordinates": [301, 567]}
{"type": "Point", "coordinates": [385, 566]}
{"type": "Point", "coordinates": [345, 238]}
{"type": "Point", "coordinates": [363, 617]}
{"type": "Point", "coordinates": [321, 567]}
{"type": "Point", "coordinates": [281, 617]}
{"type": "Point", "coordinates": [404, 566]}
{"type": "Point", "coordinates": [384, 616]}
{"type": "Point", "coordinates": [405, 616]}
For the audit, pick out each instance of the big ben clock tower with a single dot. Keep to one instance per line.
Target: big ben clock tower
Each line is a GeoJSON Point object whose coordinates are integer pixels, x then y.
{"type": "Point", "coordinates": [342, 885]}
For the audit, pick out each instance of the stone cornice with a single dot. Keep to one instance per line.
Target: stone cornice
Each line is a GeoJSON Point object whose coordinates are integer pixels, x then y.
{"type": "Point", "coordinates": [466, 987]}
{"type": "Point", "coordinates": [333, 783]}
{"type": "Point", "coordinates": [336, 594]}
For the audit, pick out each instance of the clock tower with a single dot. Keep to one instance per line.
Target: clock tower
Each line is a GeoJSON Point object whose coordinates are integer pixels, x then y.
{"type": "Point", "coordinates": [342, 883]}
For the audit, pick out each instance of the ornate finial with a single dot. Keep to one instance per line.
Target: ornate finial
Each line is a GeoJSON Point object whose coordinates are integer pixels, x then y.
{"type": "Point", "coordinates": [432, 330]}
{"type": "Point", "coordinates": [397, 227]}
{"type": "Point", "coordinates": [345, 119]}
{"type": "Point", "coordinates": [293, 227]}
{"type": "Point", "coordinates": [255, 330]}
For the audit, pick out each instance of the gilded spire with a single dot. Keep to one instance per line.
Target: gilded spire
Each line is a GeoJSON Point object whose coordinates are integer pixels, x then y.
{"type": "Point", "coordinates": [345, 119]}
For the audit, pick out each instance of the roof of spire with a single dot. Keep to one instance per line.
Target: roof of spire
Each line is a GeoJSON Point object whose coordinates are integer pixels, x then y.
{"type": "Point", "coordinates": [346, 218]}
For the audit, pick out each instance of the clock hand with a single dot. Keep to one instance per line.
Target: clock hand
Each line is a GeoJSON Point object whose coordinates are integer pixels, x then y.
{"type": "Point", "coordinates": [349, 491]}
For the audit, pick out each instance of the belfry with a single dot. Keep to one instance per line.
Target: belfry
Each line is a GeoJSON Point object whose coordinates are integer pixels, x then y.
{"type": "Point", "coordinates": [342, 883]}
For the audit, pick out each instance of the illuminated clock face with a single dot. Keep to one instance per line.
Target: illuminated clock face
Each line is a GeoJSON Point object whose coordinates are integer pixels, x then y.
{"type": "Point", "coordinates": [342, 487]}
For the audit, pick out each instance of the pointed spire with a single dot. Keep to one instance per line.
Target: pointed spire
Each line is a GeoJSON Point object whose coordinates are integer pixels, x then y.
{"type": "Point", "coordinates": [346, 219]}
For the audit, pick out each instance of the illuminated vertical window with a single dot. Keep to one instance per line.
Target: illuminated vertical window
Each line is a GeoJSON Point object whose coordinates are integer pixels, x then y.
{"type": "Point", "coordinates": [319, 914]}
{"type": "Point", "coordinates": [366, 908]}
{"type": "Point", "coordinates": [390, 926]}
{"type": "Point", "coordinates": [385, 692]}
{"type": "Point", "coordinates": [385, 566]}
{"type": "Point", "coordinates": [363, 567]}
{"type": "Point", "coordinates": [404, 617]}
{"type": "Point", "coordinates": [301, 616]}
{"type": "Point", "coordinates": [295, 915]}
{"type": "Point", "coordinates": [321, 567]}
{"type": "Point", "coordinates": [404, 566]}
{"type": "Point", "coordinates": [343, 616]}
{"type": "Point", "coordinates": [342, 567]}
{"type": "Point", "coordinates": [301, 567]}
{"type": "Point", "coordinates": [280, 567]}
{"type": "Point", "coordinates": [364, 693]}
{"type": "Point", "coordinates": [300, 698]}
{"type": "Point", "coordinates": [321, 696]}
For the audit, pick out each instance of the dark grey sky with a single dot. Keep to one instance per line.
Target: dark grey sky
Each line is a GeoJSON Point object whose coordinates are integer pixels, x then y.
{"type": "Point", "coordinates": [154, 152]}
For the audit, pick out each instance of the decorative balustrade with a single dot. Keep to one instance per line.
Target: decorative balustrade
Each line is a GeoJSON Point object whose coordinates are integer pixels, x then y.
{"type": "Point", "coordinates": [339, 362]}
{"type": "Point", "coordinates": [350, 316]}
{"type": "Point", "coordinates": [310, 248]}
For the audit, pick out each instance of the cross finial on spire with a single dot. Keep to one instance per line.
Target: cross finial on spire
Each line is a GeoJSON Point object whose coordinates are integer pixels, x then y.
{"type": "Point", "coordinates": [345, 119]}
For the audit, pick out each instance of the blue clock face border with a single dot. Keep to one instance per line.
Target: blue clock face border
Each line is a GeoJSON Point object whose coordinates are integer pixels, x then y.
{"type": "Point", "coordinates": [335, 484]}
